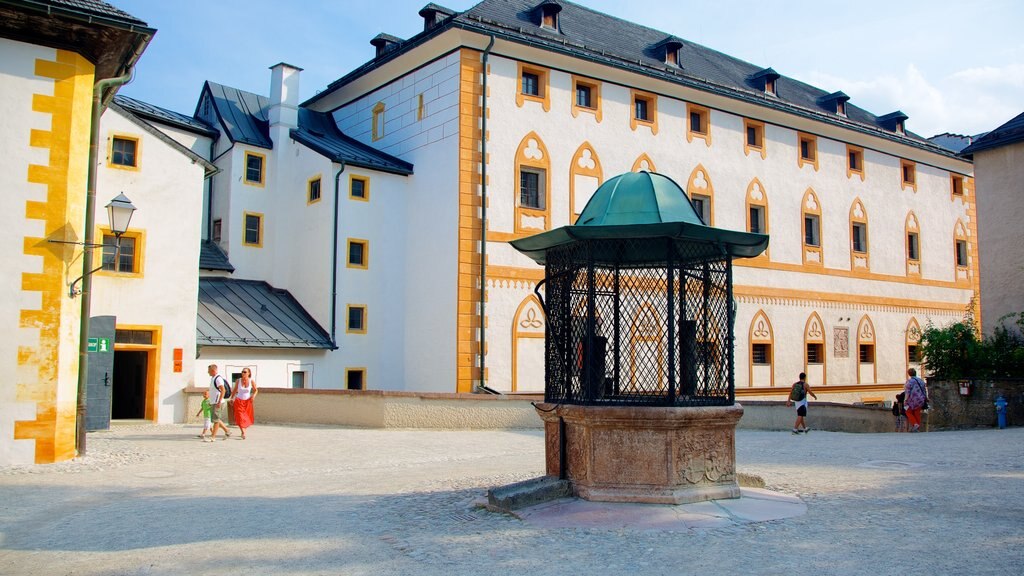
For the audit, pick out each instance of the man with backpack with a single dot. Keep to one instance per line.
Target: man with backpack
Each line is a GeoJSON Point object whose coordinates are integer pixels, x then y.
{"type": "Point", "coordinates": [220, 391]}
{"type": "Point", "coordinates": [798, 395]}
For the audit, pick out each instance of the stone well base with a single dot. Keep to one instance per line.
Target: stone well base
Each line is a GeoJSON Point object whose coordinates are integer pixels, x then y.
{"type": "Point", "coordinates": [645, 454]}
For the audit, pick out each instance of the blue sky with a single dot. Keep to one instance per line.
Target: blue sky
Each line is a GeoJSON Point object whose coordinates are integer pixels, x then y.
{"type": "Point", "coordinates": [951, 66]}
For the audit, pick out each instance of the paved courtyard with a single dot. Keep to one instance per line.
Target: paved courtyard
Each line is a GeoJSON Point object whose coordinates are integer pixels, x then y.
{"type": "Point", "coordinates": [312, 500]}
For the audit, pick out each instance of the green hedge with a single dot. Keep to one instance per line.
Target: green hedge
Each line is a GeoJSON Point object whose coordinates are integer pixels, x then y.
{"type": "Point", "coordinates": [958, 351]}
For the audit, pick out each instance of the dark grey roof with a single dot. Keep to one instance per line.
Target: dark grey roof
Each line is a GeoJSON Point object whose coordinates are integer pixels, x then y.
{"type": "Point", "coordinates": [595, 36]}
{"type": "Point", "coordinates": [87, 8]}
{"type": "Point", "coordinates": [211, 257]}
{"type": "Point", "coordinates": [157, 133]}
{"type": "Point", "coordinates": [1009, 133]}
{"type": "Point", "coordinates": [151, 112]}
{"type": "Point", "coordinates": [253, 314]}
{"type": "Point", "coordinates": [954, 142]}
{"type": "Point", "coordinates": [432, 8]}
{"type": "Point", "coordinates": [242, 114]}
{"type": "Point", "coordinates": [317, 131]}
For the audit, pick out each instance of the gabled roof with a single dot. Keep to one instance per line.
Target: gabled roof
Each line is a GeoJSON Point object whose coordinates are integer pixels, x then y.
{"type": "Point", "coordinates": [253, 314]}
{"type": "Point", "coordinates": [165, 116]}
{"type": "Point", "coordinates": [955, 142]}
{"type": "Point", "coordinates": [144, 123]}
{"type": "Point", "coordinates": [211, 257]}
{"type": "Point", "coordinates": [243, 115]}
{"type": "Point", "coordinates": [597, 37]}
{"type": "Point", "coordinates": [1009, 133]}
{"type": "Point", "coordinates": [319, 132]}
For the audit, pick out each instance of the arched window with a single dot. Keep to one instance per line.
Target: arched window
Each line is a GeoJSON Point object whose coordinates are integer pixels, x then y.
{"type": "Point", "coordinates": [644, 163]}
{"type": "Point", "coordinates": [913, 348]}
{"type": "Point", "coordinates": [913, 245]}
{"type": "Point", "coordinates": [814, 350]}
{"type": "Point", "coordinates": [860, 260]}
{"type": "Point", "coordinates": [528, 346]}
{"type": "Point", "coordinates": [961, 252]}
{"type": "Point", "coordinates": [533, 176]}
{"type": "Point", "coordinates": [761, 353]}
{"type": "Point", "coordinates": [702, 194]}
{"type": "Point", "coordinates": [867, 365]}
{"type": "Point", "coordinates": [585, 176]}
{"type": "Point", "coordinates": [646, 346]}
{"type": "Point", "coordinates": [757, 210]}
{"type": "Point", "coordinates": [812, 230]}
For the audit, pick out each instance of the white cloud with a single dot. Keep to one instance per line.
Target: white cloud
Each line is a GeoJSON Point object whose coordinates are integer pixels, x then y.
{"type": "Point", "coordinates": [967, 101]}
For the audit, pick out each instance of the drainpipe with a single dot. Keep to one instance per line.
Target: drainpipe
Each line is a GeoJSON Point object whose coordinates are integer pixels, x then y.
{"type": "Point", "coordinates": [89, 242]}
{"type": "Point", "coordinates": [483, 224]}
{"type": "Point", "coordinates": [334, 260]}
{"type": "Point", "coordinates": [209, 195]}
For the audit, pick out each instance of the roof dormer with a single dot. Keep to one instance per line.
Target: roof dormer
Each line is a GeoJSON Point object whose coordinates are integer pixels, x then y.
{"type": "Point", "coordinates": [433, 15]}
{"type": "Point", "coordinates": [835, 102]}
{"type": "Point", "coordinates": [765, 81]}
{"type": "Point", "coordinates": [548, 10]}
{"type": "Point", "coordinates": [385, 43]}
{"type": "Point", "coordinates": [895, 121]}
{"type": "Point", "coordinates": [669, 51]}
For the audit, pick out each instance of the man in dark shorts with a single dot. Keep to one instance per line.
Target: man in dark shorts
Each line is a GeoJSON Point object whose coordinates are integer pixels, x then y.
{"type": "Point", "coordinates": [798, 395]}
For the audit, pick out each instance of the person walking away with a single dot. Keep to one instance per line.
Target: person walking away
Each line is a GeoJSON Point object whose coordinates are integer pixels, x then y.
{"type": "Point", "coordinates": [798, 395]}
{"type": "Point", "coordinates": [218, 389]}
{"type": "Point", "coordinates": [245, 393]}
{"type": "Point", "coordinates": [899, 410]}
{"type": "Point", "coordinates": [205, 410]}
{"type": "Point", "coordinates": [915, 397]}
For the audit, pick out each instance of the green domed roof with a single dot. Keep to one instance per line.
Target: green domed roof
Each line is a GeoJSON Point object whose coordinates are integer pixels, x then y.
{"type": "Point", "coordinates": [638, 198]}
{"type": "Point", "coordinates": [643, 205]}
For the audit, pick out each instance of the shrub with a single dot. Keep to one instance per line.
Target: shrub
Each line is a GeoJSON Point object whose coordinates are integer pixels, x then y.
{"type": "Point", "coordinates": [957, 351]}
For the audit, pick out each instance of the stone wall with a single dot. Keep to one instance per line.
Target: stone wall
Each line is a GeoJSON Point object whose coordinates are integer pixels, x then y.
{"type": "Point", "coordinates": [949, 409]}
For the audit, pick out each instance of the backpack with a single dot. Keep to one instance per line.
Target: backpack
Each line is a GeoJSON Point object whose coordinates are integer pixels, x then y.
{"type": "Point", "coordinates": [226, 384]}
{"type": "Point", "coordinates": [798, 393]}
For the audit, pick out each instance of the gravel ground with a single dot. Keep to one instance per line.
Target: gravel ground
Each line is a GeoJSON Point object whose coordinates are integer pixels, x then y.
{"type": "Point", "coordinates": [311, 500]}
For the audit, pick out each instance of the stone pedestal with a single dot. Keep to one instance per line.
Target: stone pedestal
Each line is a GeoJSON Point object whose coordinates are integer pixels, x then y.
{"type": "Point", "coordinates": [645, 454]}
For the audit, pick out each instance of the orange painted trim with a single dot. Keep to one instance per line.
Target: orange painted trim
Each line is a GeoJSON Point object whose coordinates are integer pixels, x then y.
{"type": "Point", "coordinates": [652, 110]}
{"type": "Point", "coordinates": [705, 120]}
{"type": "Point", "coordinates": [700, 183]}
{"type": "Point", "coordinates": [595, 98]}
{"type": "Point", "coordinates": [377, 127]}
{"type": "Point", "coordinates": [913, 338]}
{"type": "Point", "coordinates": [908, 175]}
{"type": "Point", "coordinates": [850, 171]}
{"type": "Point", "coordinates": [755, 189]}
{"type": "Point", "coordinates": [527, 157]}
{"type": "Point", "coordinates": [544, 92]}
{"type": "Point", "coordinates": [644, 162]}
{"type": "Point", "coordinates": [760, 149]}
{"type": "Point", "coordinates": [813, 256]}
{"type": "Point", "coordinates": [866, 336]}
{"type": "Point", "coordinates": [912, 226]}
{"type": "Point", "coordinates": [263, 169]}
{"type": "Point", "coordinates": [814, 333]}
{"type": "Point", "coordinates": [864, 254]}
{"type": "Point", "coordinates": [811, 297]}
{"type": "Point", "coordinates": [138, 151]}
{"type": "Point", "coordinates": [812, 150]}
{"type": "Point", "coordinates": [154, 352]}
{"type": "Point", "coordinates": [760, 333]}
{"type": "Point", "coordinates": [843, 389]}
{"type": "Point", "coordinates": [585, 162]}
{"type": "Point", "coordinates": [525, 323]}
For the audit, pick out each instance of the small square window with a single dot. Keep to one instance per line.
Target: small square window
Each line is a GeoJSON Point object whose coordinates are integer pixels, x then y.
{"type": "Point", "coordinates": [815, 353]}
{"type": "Point", "coordinates": [854, 162]}
{"type": "Point", "coordinates": [217, 228]}
{"type": "Point", "coordinates": [700, 122]}
{"type": "Point", "coordinates": [913, 353]}
{"type": "Point", "coordinates": [358, 253]}
{"type": "Point", "coordinates": [812, 235]}
{"type": "Point", "coordinates": [961, 253]}
{"type": "Point", "coordinates": [531, 188]}
{"type": "Point", "coordinates": [807, 149]}
{"type": "Point", "coordinates": [356, 319]}
{"type": "Point", "coordinates": [123, 152]}
{"type": "Point", "coordinates": [754, 137]}
{"type": "Point", "coordinates": [583, 96]}
{"type": "Point", "coordinates": [359, 189]}
{"type": "Point", "coordinates": [859, 237]}
{"type": "Point", "coordinates": [908, 171]}
{"type": "Point", "coordinates": [769, 86]}
{"type": "Point", "coordinates": [702, 205]}
{"type": "Point", "coordinates": [531, 84]}
{"type": "Point", "coordinates": [867, 353]}
{"type": "Point", "coordinates": [355, 379]}
{"type": "Point", "coordinates": [912, 248]}
{"type": "Point", "coordinates": [119, 259]}
{"type": "Point", "coordinates": [641, 109]}
{"type": "Point", "coordinates": [253, 234]}
{"type": "Point", "coordinates": [253, 168]}
{"type": "Point", "coordinates": [314, 190]}
{"type": "Point", "coordinates": [761, 354]}
{"type": "Point", "coordinates": [956, 184]}
{"type": "Point", "coordinates": [757, 219]}
{"type": "Point", "coordinates": [298, 379]}
{"type": "Point", "coordinates": [377, 127]}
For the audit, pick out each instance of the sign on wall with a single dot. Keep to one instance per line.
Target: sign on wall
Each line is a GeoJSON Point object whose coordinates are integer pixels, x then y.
{"type": "Point", "coordinates": [841, 342]}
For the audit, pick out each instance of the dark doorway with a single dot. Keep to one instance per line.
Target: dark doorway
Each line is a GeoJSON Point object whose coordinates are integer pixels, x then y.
{"type": "Point", "coordinates": [129, 397]}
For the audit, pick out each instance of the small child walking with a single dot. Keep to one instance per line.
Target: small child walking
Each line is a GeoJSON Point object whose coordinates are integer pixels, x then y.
{"type": "Point", "coordinates": [900, 412]}
{"type": "Point", "coordinates": [206, 410]}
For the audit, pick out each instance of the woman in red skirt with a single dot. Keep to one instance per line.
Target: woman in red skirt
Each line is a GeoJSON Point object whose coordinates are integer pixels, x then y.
{"type": "Point", "coordinates": [244, 394]}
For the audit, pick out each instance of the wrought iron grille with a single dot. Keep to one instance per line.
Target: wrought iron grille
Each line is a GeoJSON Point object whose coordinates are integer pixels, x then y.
{"type": "Point", "coordinates": [625, 330]}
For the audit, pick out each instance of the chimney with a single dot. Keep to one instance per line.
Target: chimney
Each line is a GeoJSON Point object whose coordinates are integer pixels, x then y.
{"type": "Point", "coordinates": [284, 96]}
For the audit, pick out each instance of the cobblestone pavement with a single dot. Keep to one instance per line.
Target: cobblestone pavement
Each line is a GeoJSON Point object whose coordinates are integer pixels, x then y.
{"type": "Point", "coordinates": [312, 500]}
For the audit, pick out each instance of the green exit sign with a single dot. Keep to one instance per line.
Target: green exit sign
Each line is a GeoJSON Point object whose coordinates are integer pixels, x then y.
{"type": "Point", "coordinates": [99, 345]}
